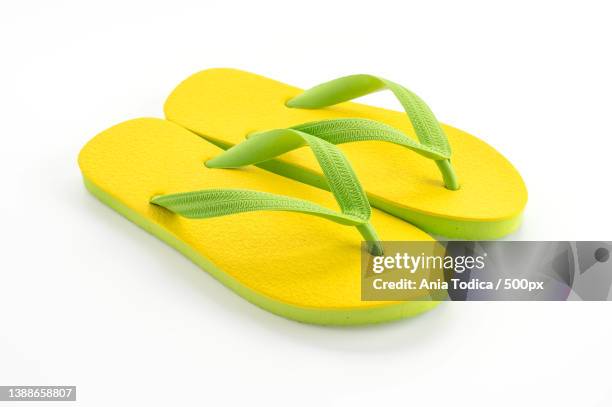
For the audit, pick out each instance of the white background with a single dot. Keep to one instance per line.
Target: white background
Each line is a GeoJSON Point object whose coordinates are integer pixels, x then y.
{"type": "Point", "coordinates": [88, 299]}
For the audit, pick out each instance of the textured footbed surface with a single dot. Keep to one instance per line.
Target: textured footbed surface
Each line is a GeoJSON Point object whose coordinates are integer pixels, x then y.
{"type": "Point", "coordinates": [226, 105]}
{"type": "Point", "coordinates": [290, 258]}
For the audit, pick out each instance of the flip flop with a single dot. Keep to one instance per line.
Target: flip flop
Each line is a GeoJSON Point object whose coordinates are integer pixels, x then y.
{"type": "Point", "coordinates": [284, 260]}
{"type": "Point", "coordinates": [403, 164]}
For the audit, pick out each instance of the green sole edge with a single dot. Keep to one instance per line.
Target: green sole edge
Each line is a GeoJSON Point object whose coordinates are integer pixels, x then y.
{"type": "Point", "coordinates": [301, 314]}
{"type": "Point", "coordinates": [450, 228]}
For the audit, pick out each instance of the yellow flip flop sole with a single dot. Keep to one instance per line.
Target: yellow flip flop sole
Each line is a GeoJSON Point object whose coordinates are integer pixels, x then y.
{"type": "Point", "coordinates": [226, 105]}
{"type": "Point", "coordinates": [301, 267]}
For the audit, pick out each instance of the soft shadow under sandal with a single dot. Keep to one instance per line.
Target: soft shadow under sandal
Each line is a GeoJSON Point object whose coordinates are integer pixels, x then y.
{"type": "Point", "coordinates": [290, 254]}
{"type": "Point", "coordinates": [440, 178]}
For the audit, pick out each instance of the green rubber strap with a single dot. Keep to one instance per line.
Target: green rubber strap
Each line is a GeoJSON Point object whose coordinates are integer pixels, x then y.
{"type": "Point", "coordinates": [426, 126]}
{"type": "Point", "coordinates": [355, 208]}
{"type": "Point", "coordinates": [341, 178]}
{"type": "Point", "coordinates": [210, 203]}
{"type": "Point", "coordinates": [339, 131]}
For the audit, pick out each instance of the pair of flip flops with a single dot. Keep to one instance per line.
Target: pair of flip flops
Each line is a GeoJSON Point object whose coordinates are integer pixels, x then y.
{"type": "Point", "coordinates": [278, 159]}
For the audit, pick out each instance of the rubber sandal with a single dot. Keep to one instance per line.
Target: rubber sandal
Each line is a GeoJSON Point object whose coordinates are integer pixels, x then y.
{"type": "Point", "coordinates": [403, 175]}
{"type": "Point", "coordinates": [285, 260]}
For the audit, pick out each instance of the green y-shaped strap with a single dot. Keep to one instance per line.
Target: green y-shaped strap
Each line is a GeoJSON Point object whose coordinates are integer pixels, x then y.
{"type": "Point", "coordinates": [426, 126]}
{"type": "Point", "coordinates": [354, 205]}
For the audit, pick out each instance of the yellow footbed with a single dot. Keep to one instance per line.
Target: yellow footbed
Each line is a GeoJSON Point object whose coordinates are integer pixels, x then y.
{"type": "Point", "coordinates": [291, 258]}
{"type": "Point", "coordinates": [225, 105]}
